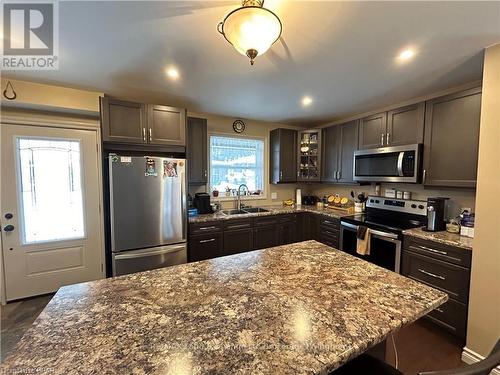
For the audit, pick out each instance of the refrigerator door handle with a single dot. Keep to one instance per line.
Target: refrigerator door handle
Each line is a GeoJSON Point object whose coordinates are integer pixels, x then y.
{"type": "Point", "coordinates": [184, 203]}
{"type": "Point", "coordinates": [141, 254]}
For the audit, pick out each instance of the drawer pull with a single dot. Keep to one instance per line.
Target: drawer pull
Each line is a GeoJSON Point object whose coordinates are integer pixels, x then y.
{"type": "Point", "coordinates": [431, 274]}
{"type": "Point", "coordinates": [440, 310]}
{"type": "Point", "coordinates": [432, 250]}
{"type": "Point", "coordinates": [207, 228]}
{"type": "Point", "coordinates": [235, 226]}
{"type": "Point", "coordinates": [205, 241]}
{"type": "Point", "coordinates": [444, 253]}
{"type": "Point", "coordinates": [328, 222]}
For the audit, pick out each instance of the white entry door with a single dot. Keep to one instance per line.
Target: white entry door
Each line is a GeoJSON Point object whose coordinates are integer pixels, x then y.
{"type": "Point", "coordinates": [51, 231]}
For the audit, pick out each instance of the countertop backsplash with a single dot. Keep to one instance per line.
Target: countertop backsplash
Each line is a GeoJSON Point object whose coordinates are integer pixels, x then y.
{"type": "Point", "coordinates": [458, 198]}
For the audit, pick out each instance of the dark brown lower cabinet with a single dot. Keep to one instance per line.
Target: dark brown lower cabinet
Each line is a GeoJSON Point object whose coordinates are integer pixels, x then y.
{"type": "Point", "coordinates": [287, 232]}
{"type": "Point", "coordinates": [238, 241]}
{"type": "Point", "coordinates": [219, 238]}
{"type": "Point", "coordinates": [264, 237]}
{"type": "Point", "coordinates": [446, 268]}
{"type": "Point", "coordinates": [315, 227]}
{"type": "Point", "coordinates": [205, 246]}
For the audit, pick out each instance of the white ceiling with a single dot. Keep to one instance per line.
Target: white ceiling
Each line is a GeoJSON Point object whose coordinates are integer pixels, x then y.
{"type": "Point", "coordinates": [342, 54]}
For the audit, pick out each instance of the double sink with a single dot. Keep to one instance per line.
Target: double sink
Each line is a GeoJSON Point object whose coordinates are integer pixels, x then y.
{"type": "Point", "coordinates": [244, 211]}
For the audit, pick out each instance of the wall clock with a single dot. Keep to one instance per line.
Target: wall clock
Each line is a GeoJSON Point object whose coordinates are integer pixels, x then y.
{"type": "Point", "coordinates": [239, 126]}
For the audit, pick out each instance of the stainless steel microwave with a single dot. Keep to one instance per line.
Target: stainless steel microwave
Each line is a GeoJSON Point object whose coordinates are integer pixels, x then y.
{"type": "Point", "coordinates": [389, 164]}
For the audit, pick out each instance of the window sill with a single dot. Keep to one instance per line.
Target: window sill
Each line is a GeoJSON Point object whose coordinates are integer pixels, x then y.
{"type": "Point", "coordinates": [243, 198]}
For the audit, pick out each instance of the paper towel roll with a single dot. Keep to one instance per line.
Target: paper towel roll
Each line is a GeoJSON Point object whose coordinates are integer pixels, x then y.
{"type": "Point", "coordinates": [298, 197]}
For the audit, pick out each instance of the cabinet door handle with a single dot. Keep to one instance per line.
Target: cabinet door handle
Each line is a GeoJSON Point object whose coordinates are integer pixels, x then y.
{"type": "Point", "coordinates": [207, 228]}
{"type": "Point", "coordinates": [439, 310]}
{"type": "Point", "coordinates": [382, 139]}
{"type": "Point", "coordinates": [388, 139]}
{"type": "Point", "coordinates": [429, 249]}
{"type": "Point", "coordinates": [150, 135]}
{"type": "Point", "coordinates": [144, 134]}
{"type": "Point", "coordinates": [205, 173]}
{"type": "Point", "coordinates": [424, 176]}
{"type": "Point", "coordinates": [431, 274]}
{"type": "Point", "coordinates": [205, 241]}
{"type": "Point", "coordinates": [281, 175]}
{"type": "Point", "coordinates": [298, 173]}
{"type": "Point", "coordinates": [339, 174]}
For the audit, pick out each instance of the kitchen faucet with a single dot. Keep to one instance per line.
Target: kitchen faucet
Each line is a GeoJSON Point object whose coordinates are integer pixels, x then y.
{"type": "Point", "coordinates": [239, 206]}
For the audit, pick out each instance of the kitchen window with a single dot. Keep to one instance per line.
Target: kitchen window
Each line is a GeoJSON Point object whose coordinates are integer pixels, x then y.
{"type": "Point", "coordinates": [235, 161]}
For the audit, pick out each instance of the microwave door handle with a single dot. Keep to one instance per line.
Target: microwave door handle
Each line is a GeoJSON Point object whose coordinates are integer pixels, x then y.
{"type": "Point", "coordinates": [400, 164]}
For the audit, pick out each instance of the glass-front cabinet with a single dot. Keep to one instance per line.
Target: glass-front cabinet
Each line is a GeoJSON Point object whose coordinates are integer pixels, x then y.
{"type": "Point", "coordinates": [309, 155]}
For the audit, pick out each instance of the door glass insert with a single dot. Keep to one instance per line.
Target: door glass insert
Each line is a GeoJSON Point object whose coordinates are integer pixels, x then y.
{"type": "Point", "coordinates": [50, 190]}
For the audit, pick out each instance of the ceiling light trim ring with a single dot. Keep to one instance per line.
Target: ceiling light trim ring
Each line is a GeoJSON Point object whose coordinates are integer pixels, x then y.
{"type": "Point", "coordinates": [220, 25]}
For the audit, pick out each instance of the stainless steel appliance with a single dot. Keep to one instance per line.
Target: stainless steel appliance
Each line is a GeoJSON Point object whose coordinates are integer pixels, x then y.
{"type": "Point", "coordinates": [436, 214]}
{"type": "Point", "coordinates": [147, 212]}
{"type": "Point", "coordinates": [386, 218]}
{"type": "Point", "coordinates": [388, 164]}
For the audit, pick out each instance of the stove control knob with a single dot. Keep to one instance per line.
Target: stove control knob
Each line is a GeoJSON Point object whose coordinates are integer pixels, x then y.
{"type": "Point", "coordinates": [371, 201]}
{"type": "Point", "coordinates": [377, 201]}
{"type": "Point", "coordinates": [413, 205]}
{"type": "Point", "coordinates": [421, 206]}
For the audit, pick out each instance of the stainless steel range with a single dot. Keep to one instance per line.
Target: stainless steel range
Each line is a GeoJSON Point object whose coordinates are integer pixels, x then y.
{"type": "Point", "coordinates": [386, 218]}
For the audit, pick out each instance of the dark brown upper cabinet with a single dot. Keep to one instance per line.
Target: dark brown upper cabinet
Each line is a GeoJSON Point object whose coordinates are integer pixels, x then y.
{"type": "Point", "coordinates": [372, 131]}
{"type": "Point", "coordinates": [339, 144]}
{"type": "Point", "coordinates": [166, 125]}
{"type": "Point", "coordinates": [347, 144]}
{"type": "Point", "coordinates": [129, 122]}
{"type": "Point", "coordinates": [283, 156]}
{"type": "Point", "coordinates": [452, 139]}
{"type": "Point", "coordinates": [398, 127]}
{"type": "Point", "coordinates": [329, 169]}
{"type": "Point", "coordinates": [309, 155]}
{"type": "Point", "coordinates": [196, 150]}
{"type": "Point", "coordinates": [405, 125]}
{"type": "Point", "coordinates": [122, 121]}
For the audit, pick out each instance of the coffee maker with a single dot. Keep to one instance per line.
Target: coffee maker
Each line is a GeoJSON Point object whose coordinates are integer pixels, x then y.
{"type": "Point", "coordinates": [436, 214]}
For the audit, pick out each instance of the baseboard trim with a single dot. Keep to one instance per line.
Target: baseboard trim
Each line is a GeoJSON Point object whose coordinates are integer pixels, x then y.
{"type": "Point", "coordinates": [470, 357]}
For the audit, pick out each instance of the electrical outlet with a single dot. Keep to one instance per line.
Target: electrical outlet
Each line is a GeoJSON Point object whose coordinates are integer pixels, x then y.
{"type": "Point", "coordinates": [274, 195]}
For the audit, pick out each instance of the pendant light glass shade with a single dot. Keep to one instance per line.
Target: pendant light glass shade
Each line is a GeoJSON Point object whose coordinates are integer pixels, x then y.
{"type": "Point", "coordinates": [252, 30]}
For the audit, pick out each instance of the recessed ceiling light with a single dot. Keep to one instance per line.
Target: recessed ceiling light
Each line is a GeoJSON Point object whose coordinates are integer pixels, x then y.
{"type": "Point", "coordinates": [406, 54]}
{"type": "Point", "coordinates": [172, 73]}
{"type": "Point", "coordinates": [306, 101]}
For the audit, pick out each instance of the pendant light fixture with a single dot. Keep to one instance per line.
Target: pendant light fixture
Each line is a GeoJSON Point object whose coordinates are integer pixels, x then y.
{"type": "Point", "coordinates": [251, 29]}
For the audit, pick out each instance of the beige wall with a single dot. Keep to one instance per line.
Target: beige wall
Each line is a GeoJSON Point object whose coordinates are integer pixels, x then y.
{"type": "Point", "coordinates": [484, 304]}
{"type": "Point", "coordinates": [52, 98]}
{"type": "Point", "coordinates": [224, 125]}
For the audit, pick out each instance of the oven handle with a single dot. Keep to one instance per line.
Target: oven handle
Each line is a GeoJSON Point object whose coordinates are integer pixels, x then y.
{"type": "Point", "coordinates": [372, 231]}
{"type": "Point", "coordinates": [400, 163]}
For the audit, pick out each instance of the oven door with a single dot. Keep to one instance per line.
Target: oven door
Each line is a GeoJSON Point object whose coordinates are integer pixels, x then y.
{"type": "Point", "coordinates": [389, 164]}
{"type": "Point", "coordinates": [385, 247]}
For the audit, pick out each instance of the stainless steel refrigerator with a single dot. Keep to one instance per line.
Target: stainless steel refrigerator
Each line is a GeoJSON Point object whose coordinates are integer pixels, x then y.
{"type": "Point", "coordinates": [147, 212]}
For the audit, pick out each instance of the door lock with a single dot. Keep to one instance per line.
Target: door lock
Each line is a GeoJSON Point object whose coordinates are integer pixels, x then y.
{"type": "Point", "coordinates": [8, 228]}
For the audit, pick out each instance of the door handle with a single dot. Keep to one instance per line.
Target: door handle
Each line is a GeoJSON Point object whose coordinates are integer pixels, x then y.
{"type": "Point", "coordinates": [8, 228]}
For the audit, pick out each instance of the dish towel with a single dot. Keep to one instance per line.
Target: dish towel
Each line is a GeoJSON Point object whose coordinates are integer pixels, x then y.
{"type": "Point", "coordinates": [363, 241]}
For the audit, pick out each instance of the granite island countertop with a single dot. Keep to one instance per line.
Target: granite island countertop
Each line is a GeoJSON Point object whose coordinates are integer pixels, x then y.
{"type": "Point", "coordinates": [303, 308]}
{"type": "Point", "coordinates": [272, 210]}
{"type": "Point", "coordinates": [443, 237]}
